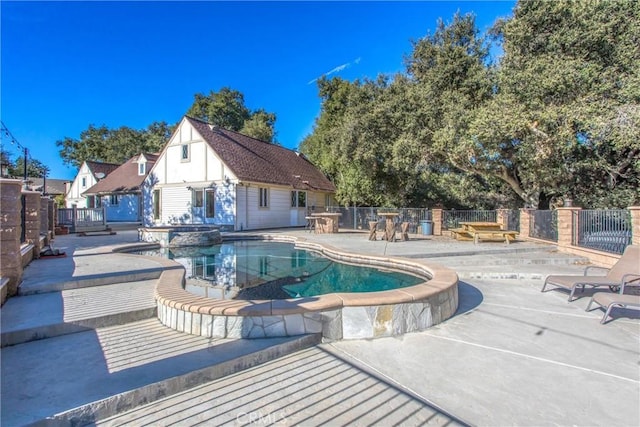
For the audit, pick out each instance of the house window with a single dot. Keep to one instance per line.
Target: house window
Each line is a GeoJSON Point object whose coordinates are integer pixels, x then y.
{"type": "Point", "coordinates": [156, 204]}
{"type": "Point", "coordinates": [114, 200]}
{"type": "Point", "coordinates": [84, 182]}
{"type": "Point", "coordinates": [98, 201]}
{"type": "Point", "coordinates": [264, 197]}
{"type": "Point", "coordinates": [198, 198]}
{"type": "Point", "coordinates": [210, 199]}
{"type": "Point", "coordinates": [141, 168]}
{"type": "Point", "coordinates": [298, 199]}
{"type": "Point", "coordinates": [185, 153]}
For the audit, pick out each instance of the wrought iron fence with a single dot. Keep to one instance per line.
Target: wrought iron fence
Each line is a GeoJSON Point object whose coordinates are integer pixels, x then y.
{"type": "Point", "coordinates": [513, 220]}
{"type": "Point", "coordinates": [452, 218]}
{"type": "Point", "coordinates": [544, 225]}
{"type": "Point", "coordinates": [356, 218]}
{"type": "Point", "coordinates": [603, 230]}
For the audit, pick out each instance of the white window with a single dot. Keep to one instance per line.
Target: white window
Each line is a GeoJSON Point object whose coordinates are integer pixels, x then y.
{"type": "Point", "coordinates": [264, 197]}
{"type": "Point", "coordinates": [298, 199]}
{"type": "Point", "coordinates": [114, 200]}
{"type": "Point", "coordinates": [198, 198]}
{"type": "Point", "coordinates": [156, 204]}
{"type": "Point", "coordinates": [141, 168]}
{"type": "Point", "coordinates": [210, 202]}
{"type": "Point", "coordinates": [184, 156]}
{"type": "Point", "coordinates": [84, 182]}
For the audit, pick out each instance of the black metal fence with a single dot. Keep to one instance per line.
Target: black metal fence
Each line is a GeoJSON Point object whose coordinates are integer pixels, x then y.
{"type": "Point", "coordinates": [604, 230]}
{"type": "Point", "coordinates": [544, 225]}
{"type": "Point", "coordinates": [355, 218]}
{"type": "Point", "coordinates": [452, 218]}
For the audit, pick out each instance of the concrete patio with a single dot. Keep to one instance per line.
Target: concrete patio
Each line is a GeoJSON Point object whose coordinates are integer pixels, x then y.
{"type": "Point", "coordinates": [510, 356]}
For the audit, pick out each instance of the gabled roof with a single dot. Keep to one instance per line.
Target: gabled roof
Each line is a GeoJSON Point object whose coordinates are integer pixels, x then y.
{"type": "Point", "coordinates": [125, 178]}
{"type": "Point", "coordinates": [98, 167]}
{"type": "Point", "coordinates": [54, 186]}
{"type": "Point", "coordinates": [253, 160]}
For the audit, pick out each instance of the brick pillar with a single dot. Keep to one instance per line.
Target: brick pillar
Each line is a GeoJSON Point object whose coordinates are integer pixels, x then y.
{"type": "Point", "coordinates": [525, 223]}
{"type": "Point", "coordinates": [51, 214]}
{"type": "Point", "coordinates": [10, 230]}
{"type": "Point", "coordinates": [566, 218]}
{"type": "Point", "coordinates": [635, 224]}
{"type": "Point", "coordinates": [436, 217]}
{"type": "Point", "coordinates": [502, 218]}
{"type": "Point", "coordinates": [44, 215]}
{"type": "Point", "coordinates": [32, 223]}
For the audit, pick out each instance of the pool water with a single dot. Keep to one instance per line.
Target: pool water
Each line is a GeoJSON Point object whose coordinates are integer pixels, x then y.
{"type": "Point", "coordinates": [249, 269]}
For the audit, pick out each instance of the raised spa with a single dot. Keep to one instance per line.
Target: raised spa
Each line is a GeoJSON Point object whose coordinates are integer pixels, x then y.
{"type": "Point", "coordinates": [201, 297]}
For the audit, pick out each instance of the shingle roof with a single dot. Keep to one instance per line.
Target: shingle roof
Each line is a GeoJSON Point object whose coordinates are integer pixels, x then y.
{"type": "Point", "coordinates": [54, 186]}
{"type": "Point", "coordinates": [98, 167]}
{"type": "Point", "coordinates": [125, 178]}
{"type": "Point", "coordinates": [258, 161]}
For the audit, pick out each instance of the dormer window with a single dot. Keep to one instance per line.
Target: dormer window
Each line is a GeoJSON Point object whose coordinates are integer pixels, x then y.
{"type": "Point", "coordinates": [142, 168]}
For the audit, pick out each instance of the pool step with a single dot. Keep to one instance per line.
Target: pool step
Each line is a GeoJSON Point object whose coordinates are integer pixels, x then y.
{"type": "Point", "coordinates": [39, 316]}
{"type": "Point", "coordinates": [96, 374]}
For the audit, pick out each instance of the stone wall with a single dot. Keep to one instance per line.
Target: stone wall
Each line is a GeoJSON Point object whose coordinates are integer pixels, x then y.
{"type": "Point", "coordinates": [38, 230]}
{"type": "Point", "coordinates": [10, 231]}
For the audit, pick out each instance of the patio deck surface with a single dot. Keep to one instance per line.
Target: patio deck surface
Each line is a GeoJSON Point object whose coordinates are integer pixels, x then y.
{"type": "Point", "coordinates": [510, 356]}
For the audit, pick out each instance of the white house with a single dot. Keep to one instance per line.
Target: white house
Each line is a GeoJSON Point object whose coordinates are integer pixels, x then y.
{"type": "Point", "coordinates": [88, 175]}
{"type": "Point", "coordinates": [209, 175]}
{"type": "Point", "coordinates": [120, 193]}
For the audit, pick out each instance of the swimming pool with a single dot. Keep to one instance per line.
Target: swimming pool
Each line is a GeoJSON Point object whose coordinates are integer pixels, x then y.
{"type": "Point", "coordinates": [336, 316]}
{"type": "Point", "coordinates": [253, 269]}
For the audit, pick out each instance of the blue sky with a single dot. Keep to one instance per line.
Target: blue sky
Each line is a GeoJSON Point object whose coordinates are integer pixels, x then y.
{"type": "Point", "coordinates": [66, 65]}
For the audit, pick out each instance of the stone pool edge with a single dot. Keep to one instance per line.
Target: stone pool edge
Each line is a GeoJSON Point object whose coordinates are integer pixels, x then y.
{"type": "Point", "coordinates": [336, 316]}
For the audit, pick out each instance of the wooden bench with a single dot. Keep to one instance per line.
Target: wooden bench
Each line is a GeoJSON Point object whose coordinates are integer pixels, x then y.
{"type": "Point", "coordinates": [483, 230]}
{"type": "Point", "coordinates": [461, 234]}
{"type": "Point", "coordinates": [506, 235]}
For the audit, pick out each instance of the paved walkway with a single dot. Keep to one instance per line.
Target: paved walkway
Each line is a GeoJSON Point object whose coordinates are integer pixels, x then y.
{"type": "Point", "coordinates": [511, 356]}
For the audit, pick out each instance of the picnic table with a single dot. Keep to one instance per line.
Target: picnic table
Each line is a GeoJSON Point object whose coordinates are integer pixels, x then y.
{"type": "Point", "coordinates": [327, 222]}
{"type": "Point", "coordinates": [482, 230]}
{"type": "Point", "coordinates": [390, 227]}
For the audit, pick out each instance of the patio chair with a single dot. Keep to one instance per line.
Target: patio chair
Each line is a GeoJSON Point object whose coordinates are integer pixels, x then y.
{"type": "Point", "coordinates": [609, 301]}
{"type": "Point", "coordinates": [626, 271]}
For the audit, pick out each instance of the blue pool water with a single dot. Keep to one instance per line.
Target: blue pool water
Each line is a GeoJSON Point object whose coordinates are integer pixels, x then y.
{"type": "Point", "coordinates": [270, 270]}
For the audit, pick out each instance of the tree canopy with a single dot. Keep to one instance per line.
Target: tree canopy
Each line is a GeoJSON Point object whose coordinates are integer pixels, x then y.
{"type": "Point", "coordinates": [102, 144]}
{"type": "Point", "coordinates": [225, 108]}
{"type": "Point", "coordinates": [557, 115]}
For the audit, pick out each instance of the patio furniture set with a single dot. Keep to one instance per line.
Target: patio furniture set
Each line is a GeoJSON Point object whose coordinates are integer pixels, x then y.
{"type": "Point", "coordinates": [623, 274]}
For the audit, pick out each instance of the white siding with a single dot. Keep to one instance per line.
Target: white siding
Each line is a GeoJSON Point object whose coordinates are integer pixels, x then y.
{"type": "Point", "coordinates": [74, 196]}
{"type": "Point", "coordinates": [176, 205]}
{"type": "Point", "coordinates": [236, 205]}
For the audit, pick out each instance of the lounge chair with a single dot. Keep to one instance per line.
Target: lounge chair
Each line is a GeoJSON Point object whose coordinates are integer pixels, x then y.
{"type": "Point", "coordinates": [625, 271]}
{"type": "Point", "coordinates": [611, 301]}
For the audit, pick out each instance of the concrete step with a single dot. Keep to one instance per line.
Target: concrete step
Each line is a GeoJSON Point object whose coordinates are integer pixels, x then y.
{"type": "Point", "coordinates": [315, 386]}
{"type": "Point", "coordinates": [39, 316]}
{"type": "Point", "coordinates": [96, 374]}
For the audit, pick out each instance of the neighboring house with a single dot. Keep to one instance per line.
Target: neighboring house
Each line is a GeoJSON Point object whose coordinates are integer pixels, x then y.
{"type": "Point", "coordinates": [55, 187]}
{"type": "Point", "coordinates": [88, 175]}
{"type": "Point", "coordinates": [120, 193]}
{"type": "Point", "coordinates": [209, 175]}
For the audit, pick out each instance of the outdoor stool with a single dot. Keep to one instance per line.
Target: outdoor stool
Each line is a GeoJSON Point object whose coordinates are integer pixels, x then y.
{"type": "Point", "coordinates": [373, 226]}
